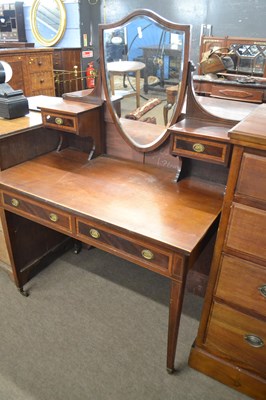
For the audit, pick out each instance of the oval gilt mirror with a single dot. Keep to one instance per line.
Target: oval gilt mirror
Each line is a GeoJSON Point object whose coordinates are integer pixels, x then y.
{"type": "Point", "coordinates": [48, 21]}
{"type": "Point", "coordinates": [144, 61]}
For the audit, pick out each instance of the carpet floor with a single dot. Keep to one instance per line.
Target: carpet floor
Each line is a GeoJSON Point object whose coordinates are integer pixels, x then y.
{"type": "Point", "coordinates": [95, 328]}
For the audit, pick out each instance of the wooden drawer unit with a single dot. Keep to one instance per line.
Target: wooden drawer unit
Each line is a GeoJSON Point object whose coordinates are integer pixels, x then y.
{"type": "Point", "coordinates": [32, 70]}
{"type": "Point", "coordinates": [201, 140]}
{"type": "Point", "coordinates": [243, 338]}
{"type": "Point", "coordinates": [69, 116]}
{"type": "Point", "coordinates": [139, 252]}
{"type": "Point", "coordinates": [48, 216]}
{"type": "Point", "coordinates": [246, 233]}
{"type": "Point", "coordinates": [231, 341]}
{"type": "Point", "coordinates": [242, 283]}
{"type": "Point", "coordinates": [201, 149]}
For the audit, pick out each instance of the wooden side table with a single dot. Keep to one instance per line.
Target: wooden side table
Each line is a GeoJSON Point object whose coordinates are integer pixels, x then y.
{"type": "Point", "coordinates": [123, 68]}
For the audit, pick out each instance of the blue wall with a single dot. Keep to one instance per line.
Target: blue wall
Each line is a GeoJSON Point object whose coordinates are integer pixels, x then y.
{"type": "Point", "coordinates": [71, 37]}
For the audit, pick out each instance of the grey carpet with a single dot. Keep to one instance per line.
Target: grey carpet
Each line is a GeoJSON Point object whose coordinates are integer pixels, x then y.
{"type": "Point", "coordinates": [95, 328]}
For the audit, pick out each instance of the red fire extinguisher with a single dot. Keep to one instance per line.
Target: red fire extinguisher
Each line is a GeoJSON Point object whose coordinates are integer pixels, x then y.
{"type": "Point", "coordinates": [90, 75]}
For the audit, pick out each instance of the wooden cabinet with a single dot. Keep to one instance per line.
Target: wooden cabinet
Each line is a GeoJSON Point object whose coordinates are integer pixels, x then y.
{"type": "Point", "coordinates": [231, 343]}
{"type": "Point", "coordinates": [67, 69]}
{"type": "Point", "coordinates": [32, 70]}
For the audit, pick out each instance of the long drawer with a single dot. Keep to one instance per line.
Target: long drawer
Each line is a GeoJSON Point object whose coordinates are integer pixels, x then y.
{"type": "Point", "coordinates": [246, 231]}
{"type": "Point", "coordinates": [238, 338]}
{"type": "Point", "coordinates": [48, 216]}
{"type": "Point", "coordinates": [136, 251]}
{"type": "Point", "coordinates": [242, 283]}
{"type": "Point", "coordinates": [252, 166]}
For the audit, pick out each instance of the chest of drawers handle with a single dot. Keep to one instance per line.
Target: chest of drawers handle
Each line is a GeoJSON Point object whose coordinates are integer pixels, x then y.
{"type": "Point", "coordinates": [15, 202]}
{"type": "Point", "coordinates": [94, 233]}
{"type": "Point", "coordinates": [198, 147]}
{"type": "Point", "coordinates": [253, 340]}
{"type": "Point", "coordinates": [53, 217]}
{"type": "Point", "coordinates": [147, 254]}
{"type": "Point", "coordinates": [262, 290]}
{"type": "Point", "coordinates": [59, 121]}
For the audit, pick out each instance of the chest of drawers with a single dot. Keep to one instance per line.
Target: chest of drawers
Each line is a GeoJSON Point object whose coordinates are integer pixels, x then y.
{"type": "Point", "coordinates": [231, 342]}
{"type": "Point", "coordinates": [32, 70]}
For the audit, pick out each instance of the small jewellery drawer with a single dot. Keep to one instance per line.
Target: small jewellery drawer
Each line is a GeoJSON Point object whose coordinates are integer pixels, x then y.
{"type": "Point", "coordinates": [242, 283]}
{"type": "Point", "coordinates": [133, 250]}
{"type": "Point", "coordinates": [59, 121]}
{"type": "Point", "coordinates": [238, 337]}
{"type": "Point", "coordinates": [246, 232]}
{"type": "Point", "coordinates": [201, 149]}
{"type": "Point", "coordinates": [37, 212]}
{"type": "Point", "coordinates": [252, 177]}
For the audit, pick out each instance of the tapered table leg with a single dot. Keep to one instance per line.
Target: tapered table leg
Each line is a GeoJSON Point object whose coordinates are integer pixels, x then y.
{"type": "Point", "coordinates": [175, 308]}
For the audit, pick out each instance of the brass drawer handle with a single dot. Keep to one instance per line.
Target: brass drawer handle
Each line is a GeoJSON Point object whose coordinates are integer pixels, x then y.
{"type": "Point", "coordinates": [59, 121]}
{"type": "Point", "coordinates": [94, 233]}
{"type": "Point", "coordinates": [53, 217]}
{"type": "Point", "coordinates": [15, 202]}
{"type": "Point", "coordinates": [198, 147]}
{"type": "Point", "coordinates": [262, 290]}
{"type": "Point", "coordinates": [253, 340]}
{"type": "Point", "coordinates": [147, 254]}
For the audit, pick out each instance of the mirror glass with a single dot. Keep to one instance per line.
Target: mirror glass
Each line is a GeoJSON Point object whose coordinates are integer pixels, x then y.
{"type": "Point", "coordinates": [48, 21]}
{"type": "Point", "coordinates": [145, 60]}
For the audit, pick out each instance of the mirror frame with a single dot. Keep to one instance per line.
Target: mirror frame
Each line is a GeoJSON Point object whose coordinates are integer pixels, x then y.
{"type": "Point", "coordinates": [34, 27]}
{"type": "Point", "coordinates": [182, 86]}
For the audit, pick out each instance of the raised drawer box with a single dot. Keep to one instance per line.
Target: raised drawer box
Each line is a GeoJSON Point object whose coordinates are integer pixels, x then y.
{"type": "Point", "coordinates": [48, 216]}
{"type": "Point", "coordinates": [141, 252]}
{"type": "Point", "coordinates": [242, 283]}
{"type": "Point", "coordinates": [201, 149]}
{"type": "Point", "coordinates": [201, 140]}
{"type": "Point", "coordinates": [243, 338]}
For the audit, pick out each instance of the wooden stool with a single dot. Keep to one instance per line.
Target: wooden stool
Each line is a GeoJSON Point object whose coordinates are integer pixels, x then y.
{"type": "Point", "coordinates": [171, 95]}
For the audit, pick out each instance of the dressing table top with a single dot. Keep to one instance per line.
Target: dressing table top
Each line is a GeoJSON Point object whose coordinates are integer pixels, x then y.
{"type": "Point", "coordinates": [140, 199]}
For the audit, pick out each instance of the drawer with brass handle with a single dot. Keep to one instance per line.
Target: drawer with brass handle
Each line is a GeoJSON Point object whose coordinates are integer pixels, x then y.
{"type": "Point", "coordinates": [201, 149]}
{"type": "Point", "coordinates": [61, 122]}
{"type": "Point", "coordinates": [242, 283]}
{"type": "Point", "coordinates": [38, 212]}
{"type": "Point", "coordinates": [243, 338]}
{"type": "Point", "coordinates": [115, 242]}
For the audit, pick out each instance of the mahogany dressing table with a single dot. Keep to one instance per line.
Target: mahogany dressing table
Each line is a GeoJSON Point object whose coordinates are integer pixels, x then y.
{"type": "Point", "coordinates": [145, 213]}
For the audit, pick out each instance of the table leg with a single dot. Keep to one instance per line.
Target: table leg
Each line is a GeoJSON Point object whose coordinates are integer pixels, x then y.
{"type": "Point", "coordinates": [138, 88]}
{"type": "Point", "coordinates": [175, 308]}
{"type": "Point", "coordinates": [112, 83]}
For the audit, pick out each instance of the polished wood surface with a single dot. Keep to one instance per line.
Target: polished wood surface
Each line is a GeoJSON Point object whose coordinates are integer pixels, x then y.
{"type": "Point", "coordinates": [17, 125]}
